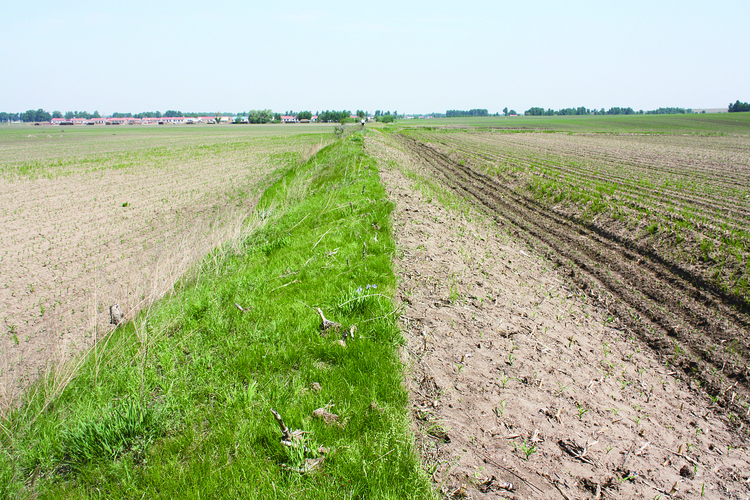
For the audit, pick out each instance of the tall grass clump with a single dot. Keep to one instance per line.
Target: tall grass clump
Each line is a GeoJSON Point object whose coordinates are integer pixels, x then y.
{"type": "Point", "coordinates": [177, 403]}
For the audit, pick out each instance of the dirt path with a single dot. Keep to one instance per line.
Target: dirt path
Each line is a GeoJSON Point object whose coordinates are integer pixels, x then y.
{"type": "Point", "coordinates": [523, 386]}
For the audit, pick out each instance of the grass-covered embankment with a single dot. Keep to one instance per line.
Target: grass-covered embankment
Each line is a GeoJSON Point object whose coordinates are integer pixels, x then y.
{"type": "Point", "coordinates": [177, 403]}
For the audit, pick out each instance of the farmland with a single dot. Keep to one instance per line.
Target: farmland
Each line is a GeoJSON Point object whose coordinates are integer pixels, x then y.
{"type": "Point", "coordinates": [191, 398]}
{"type": "Point", "coordinates": [649, 229]}
{"type": "Point", "coordinates": [567, 296]}
{"type": "Point", "coordinates": [656, 227]}
{"type": "Point", "coordinates": [97, 216]}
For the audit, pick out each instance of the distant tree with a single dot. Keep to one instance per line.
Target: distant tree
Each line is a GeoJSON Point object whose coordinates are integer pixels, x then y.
{"type": "Point", "coordinates": [669, 111]}
{"type": "Point", "coordinates": [334, 116]}
{"type": "Point", "coordinates": [361, 114]}
{"type": "Point", "coordinates": [304, 115]}
{"type": "Point", "coordinates": [739, 107]}
{"type": "Point", "coordinates": [40, 116]}
{"type": "Point", "coordinates": [535, 111]}
{"type": "Point", "coordinates": [96, 114]}
{"type": "Point", "coordinates": [456, 113]}
{"type": "Point", "coordinates": [172, 113]}
{"type": "Point", "coordinates": [3, 117]}
{"type": "Point", "coordinates": [69, 115]}
{"type": "Point", "coordinates": [57, 114]}
{"type": "Point", "coordinates": [259, 116]}
{"type": "Point", "coordinates": [277, 117]}
{"type": "Point", "coordinates": [620, 111]}
{"type": "Point", "coordinates": [512, 112]}
{"type": "Point", "coordinates": [505, 111]}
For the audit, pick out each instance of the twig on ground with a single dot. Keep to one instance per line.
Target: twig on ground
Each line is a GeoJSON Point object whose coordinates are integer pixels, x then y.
{"type": "Point", "coordinates": [285, 432]}
{"type": "Point", "coordinates": [557, 486]}
{"type": "Point", "coordinates": [691, 460]}
{"type": "Point", "coordinates": [287, 284]}
{"type": "Point", "coordinates": [300, 222]}
{"type": "Point", "coordinates": [242, 309]}
{"type": "Point", "coordinates": [326, 324]}
{"type": "Point", "coordinates": [321, 238]}
{"type": "Point", "coordinates": [511, 471]}
{"type": "Point", "coordinates": [576, 451]}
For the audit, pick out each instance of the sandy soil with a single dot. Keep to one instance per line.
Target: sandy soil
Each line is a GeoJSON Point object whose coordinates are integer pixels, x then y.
{"type": "Point", "coordinates": [522, 385]}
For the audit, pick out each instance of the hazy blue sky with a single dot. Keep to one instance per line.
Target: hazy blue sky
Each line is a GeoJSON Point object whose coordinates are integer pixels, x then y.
{"type": "Point", "coordinates": [410, 56]}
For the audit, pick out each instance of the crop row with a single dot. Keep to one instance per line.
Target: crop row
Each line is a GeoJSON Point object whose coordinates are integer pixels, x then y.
{"type": "Point", "coordinates": [685, 322]}
{"type": "Point", "coordinates": [634, 191]}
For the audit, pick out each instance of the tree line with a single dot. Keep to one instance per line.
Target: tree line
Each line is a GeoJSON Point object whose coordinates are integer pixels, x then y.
{"type": "Point", "coordinates": [267, 116]}
{"type": "Point", "coordinates": [385, 116]}
{"type": "Point", "coordinates": [456, 113]}
{"type": "Point", "coordinates": [537, 111]}
{"type": "Point", "coordinates": [334, 116]}
{"type": "Point", "coordinates": [739, 107]}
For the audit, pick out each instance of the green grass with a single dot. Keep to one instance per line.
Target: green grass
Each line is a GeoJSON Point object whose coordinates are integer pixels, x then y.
{"type": "Point", "coordinates": [177, 403]}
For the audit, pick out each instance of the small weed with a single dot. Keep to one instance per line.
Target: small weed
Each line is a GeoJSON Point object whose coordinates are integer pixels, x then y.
{"type": "Point", "coordinates": [561, 388]}
{"type": "Point", "coordinates": [629, 477]}
{"type": "Point", "coordinates": [500, 410]}
{"type": "Point", "coordinates": [504, 380]}
{"type": "Point", "coordinates": [359, 300]}
{"type": "Point", "coordinates": [527, 448]}
{"type": "Point", "coordinates": [581, 410]}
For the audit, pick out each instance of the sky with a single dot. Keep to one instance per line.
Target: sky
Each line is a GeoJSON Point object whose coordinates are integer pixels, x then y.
{"type": "Point", "coordinates": [410, 56]}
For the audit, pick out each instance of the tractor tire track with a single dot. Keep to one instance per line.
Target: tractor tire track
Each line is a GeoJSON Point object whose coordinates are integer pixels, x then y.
{"type": "Point", "coordinates": [687, 325]}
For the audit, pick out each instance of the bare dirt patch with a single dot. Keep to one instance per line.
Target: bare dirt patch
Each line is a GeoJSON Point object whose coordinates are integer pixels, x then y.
{"type": "Point", "coordinates": [522, 385]}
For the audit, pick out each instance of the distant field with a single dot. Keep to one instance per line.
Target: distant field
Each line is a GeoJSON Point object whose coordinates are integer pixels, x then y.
{"type": "Point", "coordinates": [93, 216]}
{"type": "Point", "coordinates": [720, 123]}
{"type": "Point", "coordinates": [30, 150]}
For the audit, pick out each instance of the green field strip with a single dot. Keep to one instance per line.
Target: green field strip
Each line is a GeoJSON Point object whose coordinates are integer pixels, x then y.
{"type": "Point", "coordinates": [177, 403]}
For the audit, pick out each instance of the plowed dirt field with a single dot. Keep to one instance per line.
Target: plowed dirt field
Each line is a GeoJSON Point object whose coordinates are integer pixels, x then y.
{"type": "Point", "coordinates": [91, 218]}
{"type": "Point", "coordinates": [552, 357]}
